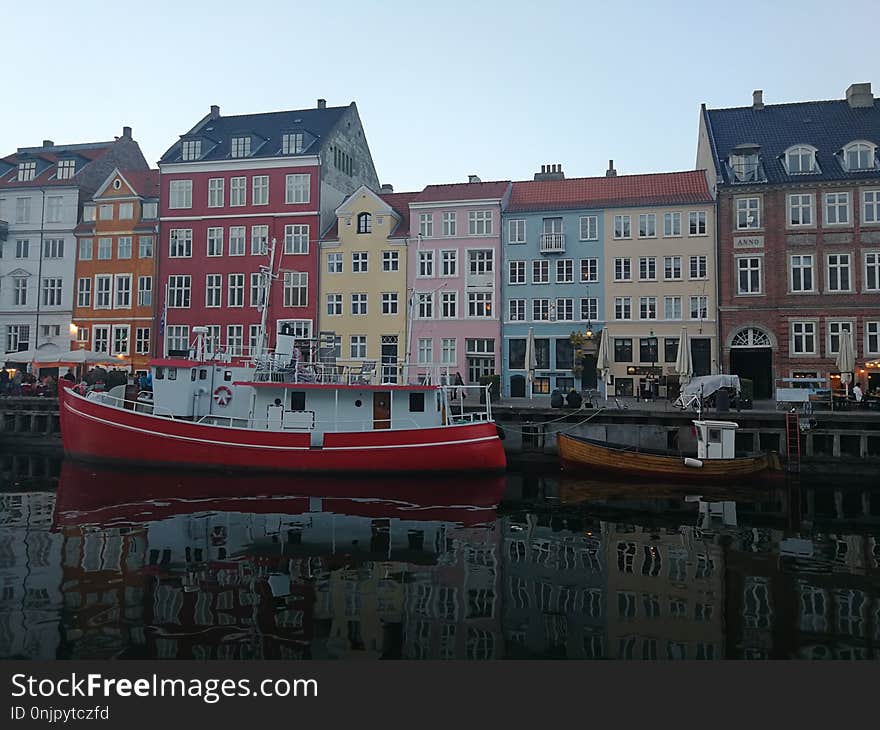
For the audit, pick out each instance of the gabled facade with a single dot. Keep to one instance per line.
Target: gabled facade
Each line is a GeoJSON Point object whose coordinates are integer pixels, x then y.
{"type": "Point", "coordinates": [454, 279]}
{"type": "Point", "coordinates": [42, 190]}
{"type": "Point", "coordinates": [798, 199]}
{"type": "Point", "coordinates": [363, 296]}
{"type": "Point", "coordinates": [229, 187]}
{"type": "Point", "coordinates": [114, 299]}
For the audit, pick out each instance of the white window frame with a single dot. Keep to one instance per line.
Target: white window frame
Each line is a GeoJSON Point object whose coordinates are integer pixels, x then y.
{"type": "Point", "coordinates": [237, 240]}
{"type": "Point", "coordinates": [297, 189]}
{"type": "Point", "coordinates": [237, 191]}
{"type": "Point", "coordinates": [516, 273]}
{"type": "Point", "coordinates": [216, 192]}
{"type": "Point", "coordinates": [870, 208]}
{"type": "Point", "coordinates": [516, 311]}
{"type": "Point", "coordinates": [622, 268]}
{"type": "Point", "coordinates": [872, 332]}
{"type": "Point", "coordinates": [449, 304]}
{"type": "Point", "coordinates": [592, 270]}
{"type": "Point", "coordinates": [103, 289]}
{"type": "Point", "coordinates": [179, 196]}
{"type": "Point", "coordinates": [838, 267]}
{"type": "Point", "coordinates": [672, 310]}
{"type": "Point", "coordinates": [426, 225]}
{"type": "Point", "coordinates": [744, 206]}
{"type": "Point", "coordinates": [295, 289]}
{"type": "Point", "coordinates": [540, 271]}
{"type": "Point", "coordinates": [360, 262]}
{"type": "Point", "coordinates": [749, 291]}
{"type": "Point", "coordinates": [803, 329]}
{"type": "Point", "coordinates": [647, 225]}
{"type": "Point", "coordinates": [84, 292]}
{"type": "Point", "coordinates": [235, 291]}
{"type": "Point", "coordinates": [698, 219]}
{"type": "Point", "coordinates": [623, 309]}
{"type": "Point", "coordinates": [871, 261]}
{"type": "Point", "coordinates": [516, 231]}
{"type": "Point", "coordinates": [480, 223]}
{"type": "Point", "coordinates": [800, 269]}
{"type": "Point", "coordinates": [179, 291]}
{"type": "Point", "coordinates": [858, 146]}
{"type": "Point", "coordinates": [797, 154]}
{"type": "Point", "coordinates": [450, 223]}
{"type": "Point", "coordinates": [622, 227]}
{"type": "Point", "coordinates": [835, 204]}
{"type": "Point", "coordinates": [801, 213]}
{"type": "Point", "coordinates": [359, 304]}
{"type": "Point", "coordinates": [833, 329]}
{"type": "Point", "coordinates": [391, 303]}
{"type": "Point", "coordinates": [425, 264]}
{"type": "Point", "coordinates": [296, 238]}
{"type": "Point", "coordinates": [592, 228]}
{"type": "Point", "coordinates": [480, 304]}
{"type": "Point", "coordinates": [214, 241]}
{"type": "Point", "coordinates": [672, 224]}
{"type": "Point", "coordinates": [122, 291]}
{"type": "Point", "coordinates": [260, 190]}
{"type": "Point", "coordinates": [213, 290]}
{"type": "Point", "coordinates": [334, 304]}
{"type": "Point", "coordinates": [334, 263]}
{"type": "Point", "coordinates": [565, 271]}
{"type": "Point", "coordinates": [448, 262]}
{"type": "Point", "coordinates": [646, 263]}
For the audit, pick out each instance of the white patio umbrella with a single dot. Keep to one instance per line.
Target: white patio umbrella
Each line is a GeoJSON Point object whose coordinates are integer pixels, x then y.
{"type": "Point", "coordinates": [684, 365]}
{"type": "Point", "coordinates": [846, 359]}
{"type": "Point", "coordinates": [531, 359]}
{"type": "Point", "coordinates": [603, 359]}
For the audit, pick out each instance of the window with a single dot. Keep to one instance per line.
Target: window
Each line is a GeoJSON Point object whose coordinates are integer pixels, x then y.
{"type": "Point", "coordinates": [149, 211]}
{"type": "Point", "coordinates": [126, 211]}
{"type": "Point", "coordinates": [426, 351]}
{"type": "Point", "coordinates": [216, 192]}
{"type": "Point", "coordinates": [123, 291]}
{"type": "Point", "coordinates": [647, 268]}
{"type": "Point", "coordinates": [389, 303]}
{"type": "Point", "coordinates": [334, 263]}
{"type": "Point", "coordinates": [85, 249]}
{"type": "Point", "coordinates": [622, 308]}
{"type": "Point", "coordinates": [449, 304]}
{"type": "Point", "coordinates": [292, 143]}
{"type": "Point", "coordinates": [237, 191]}
{"type": "Point", "coordinates": [364, 223]}
{"type": "Point", "coordinates": [516, 231]}
{"type": "Point", "coordinates": [53, 248]}
{"type": "Point", "coordinates": [540, 271]}
{"type": "Point", "coordinates": [213, 290]}
{"type": "Point", "coordinates": [564, 271]}
{"type": "Point", "coordinates": [589, 228]}
{"type": "Point", "coordinates": [622, 269]}
{"type": "Point", "coordinates": [425, 305]}
{"type": "Point", "coordinates": [236, 241]}
{"type": "Point", "coordinates": [800, 210]}
{"type": "Point", "coordinates": [17, 337]}
{"type": "Point", "coordinates": [235, 290]}
{"type": "Point", "coordinates": [66, 169]}
{"type": "Point", "coordinates": [105, 212]}
{"type": "Point", "coordinates": [647, 307]}
{"type": "Point", "coordinates": [191, 149]}
{"type": "Point", "coordinates": [26, 171]}
{"type": "Point", "coordinates": [260, 190]}
{"type": "Point", "coordinates": [235, 339]}
{"type": "Point", "coordinates": [259, 241]}
{"type": "Point", "coordinates": [360, 262]}
{"type": "Point", "coordinates": [749, 275]}
{"type": "Point", "coordinates": [145, 291]}
{"type": "Point", "coordinates": [123, 247]}
{"type": "Point", "coordinates": [837, 209]}
{"type": "Point", "coordinates": [23, 210]}
{"type": "Point", "coordinates": [859, 156]}
{"type": "Point", "coordinates": [589, 309]}
{"type": "Point", "coordinates": [180, 243]}
{"type": "Point", "coordinates": [449, 223]}
{"type": "Point", "coordinates": [426, 263]}
{"type": "Point", "coordinates": [145, 247]}
{"type": "Point", "coordinates": [448, 351]}
{"type": "Point", "coordinates": [800, 160]}
{"type": "Point", "coordinates": [22, 248]}
{"type": "Point", "coordinates": [142, 341]}
{"type": "Point", "coordinates": [358, 304]}
{"type": "Point", "coordinates": [102, 338]}
{"type": "Point", "coordinates": [589, 271]}
{"type": "Point", "coordinates": [672, 268]}
{"type": "Point", "coordinates": [426, 225]}
{"type": "Point", "coordinates": [541, 310]}
{"type": "Point", "coordinates": [698, 269]}
{"type": "Point", "coordinates": [623, 349]}
{"type": "Point", "coordinates": [257, 289]}
{"type": "Point", "coordinates": [53, 209]}
{"type": "Point", "coordinates": [871, 206]}
{"type": "Point", "coordinates": [84, 292]}
{"type": "Point", "coordinates": [296, 238]}
{"type": "Point", "coordinates": [449, 263]}
{"type": "Point", "coordinates": [120, 339]}
{"type": "Point", "coordinates": [480, 223]}
{"type": "Point", "coordinates": [178, 291]}
{"type": "Point", "coordinates": [180, 196]}
{"type": "Point", "coordinates": [296, 289]}
{"type": "Point", "coordinates": [647, 225]}
{"type": "Point", "coordinates": [672, 307]}
{"type": "Point", "coordinates": [241, 146]}
{"type": "Point", "coordinates": [745, 166]}
{"type": "Point", "coordinates": [622, 226]}
{"type": "Point", "coordinates": [20, 289]}
{"type": "Point", "coordinates": [802, 273]}
{"type": "Point", "coordinates": [105, 249]}
{"type": "Point", "coordinates": [357, 348]}
{"type": "Point", "coordinates": [103, 291]}
{"type": "Point", "coordinates": [334, 305]}
{"type": "Point", "coordinates": [564, 310]}
{"type": "Point", "coordinates": [671, 224]}
{"type": "Point", "coordinates": [803, 338]}
{"type": "Point", "coordinates": [481, 262]}
{"type": "Point", "coordinates": [834, 330]}
{"type": "Point", "coordinates": [215, 242]}
{"type": "Point", "coordinates": [297, 188]}
{"type": "Point", "coordinates": [517, 310]}
{"type": "Point", "coordinates": [872, 271]}
{"type": "Point", "coordinates": [872, 338]}
{"type": "Point", "coordinates": [480, 304]}
{"type": "Point", "coordinates": [839, 272]}
{"type": "Point", "coordinates": [699, 307]}
{"type": "Point", "coordinates": [391, 260]}
{"type": "Point", "coordinates": [52, 292]}
{"type": "Point", "coordinates": [648, 353]}
{"type": "Point", "coordinates": [748, 213]}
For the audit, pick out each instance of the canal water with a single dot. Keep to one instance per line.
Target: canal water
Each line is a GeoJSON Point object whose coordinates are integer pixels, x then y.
{"type": "Point", "coordinates": [107, 563]}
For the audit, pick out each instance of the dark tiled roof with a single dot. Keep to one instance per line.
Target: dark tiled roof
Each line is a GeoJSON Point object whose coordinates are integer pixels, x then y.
{"type": "Point", "coordinates": [667, 188]}
{"type": "Point", "coordinates": [398, 201]}
{"type": "Point", "coordinates": [825, 125]}
{"type": "Point", "coordinates": [144, 182]}
{"type": "Point", "coordinates": [463, 191]}
{"type": "Point", "coordinates": [266, 130]}
{"type": "Point", "coordinates": [47, 159]}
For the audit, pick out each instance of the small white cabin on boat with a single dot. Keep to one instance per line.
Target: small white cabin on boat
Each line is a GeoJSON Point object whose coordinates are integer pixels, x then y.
{"type": "Point", "coordinates": [716, 439]}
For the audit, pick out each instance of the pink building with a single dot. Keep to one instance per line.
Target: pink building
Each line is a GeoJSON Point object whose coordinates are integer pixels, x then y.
{"type": "Point", "coordinates": [453, 275]}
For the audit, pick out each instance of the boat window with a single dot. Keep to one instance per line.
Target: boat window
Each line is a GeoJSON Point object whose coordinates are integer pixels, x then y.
{"type": "Point", "coordinates": [192, 374]}
{"type": "Point", "coordinates": [160, 373]}
{"type": "Point", "coordinates": [715, 435]}
{"type": "Point", "coordinates": [203, 374]}
{"type": "Point", "coordinates": [699, 434]}
{"type": "Point", "coordinates": [417, 402]}
{"type": "Point", "coordinates": [358, 403]}
{"type": "Point", "coordinates": [227, 375]}
{"type": "Point", "coordinates": [298, 400]}
{"type": "Point", "coordinates": [172, 373]}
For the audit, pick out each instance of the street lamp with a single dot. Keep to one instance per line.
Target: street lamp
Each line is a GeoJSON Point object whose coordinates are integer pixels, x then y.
{"type": "Point", "coordinates": [652, 346]}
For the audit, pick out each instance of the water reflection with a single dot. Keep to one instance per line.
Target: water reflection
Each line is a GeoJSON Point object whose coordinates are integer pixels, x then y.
{"type": "Point", "coordinates": [141, 564]}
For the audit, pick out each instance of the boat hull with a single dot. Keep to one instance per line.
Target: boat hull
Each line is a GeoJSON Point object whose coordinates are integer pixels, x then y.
{"type": "Point", "coordinates": [91, 430]}
{"type": "Point", "coordinates": [583, 455]}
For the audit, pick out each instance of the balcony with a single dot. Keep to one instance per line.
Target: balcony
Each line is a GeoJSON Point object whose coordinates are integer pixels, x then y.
{"type": "Point", "coordinates": [552, 243]}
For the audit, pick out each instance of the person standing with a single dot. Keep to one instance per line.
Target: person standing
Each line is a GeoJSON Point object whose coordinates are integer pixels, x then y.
{"type": "Point", "coordinates": [857, 392]}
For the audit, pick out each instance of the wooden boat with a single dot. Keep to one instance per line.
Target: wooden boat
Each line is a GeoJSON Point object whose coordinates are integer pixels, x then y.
{"type": "Point", "coordinates": [714, 462]}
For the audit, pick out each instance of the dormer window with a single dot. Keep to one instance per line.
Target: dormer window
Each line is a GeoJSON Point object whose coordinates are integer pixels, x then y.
{"type": "Point", "coordinates": [365, 223]}
{"type": "Point", "coordinates": [745, 163]}
{"type": "Point", "coordinates": [292, 144]}
{"type": "Point", "coordinates": [27, 171]}
{"type": "Point", "coordinates": [859, 156]}
{"type": "Point", "coordinates": [192, 149]}
{"type": "Point", "coordinates": [88, 213]}
{"type": "Point", "coordinates": [66, 169]}
{"type": "Point", "coordinates": [241, 146]}
{"type": "Point", "coordinates": [800, 160]}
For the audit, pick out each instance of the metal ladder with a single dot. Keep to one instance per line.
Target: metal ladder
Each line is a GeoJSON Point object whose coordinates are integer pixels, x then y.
{"type": "Point", "coordinates": [793, 442]}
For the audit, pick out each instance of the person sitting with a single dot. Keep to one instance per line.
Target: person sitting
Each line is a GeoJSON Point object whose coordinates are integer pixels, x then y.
{"type": "Point", "coordinates": [69, 375]}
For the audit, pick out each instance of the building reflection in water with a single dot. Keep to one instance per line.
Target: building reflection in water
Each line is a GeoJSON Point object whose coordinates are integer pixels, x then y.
{"type": "Point", "coordinates": [124, 564]}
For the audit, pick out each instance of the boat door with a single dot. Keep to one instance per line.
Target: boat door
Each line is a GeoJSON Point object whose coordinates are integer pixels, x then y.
{"type": "Point", "coordinates": [274, 415]}
{"type": "Point", "coordinates": [382, 409]}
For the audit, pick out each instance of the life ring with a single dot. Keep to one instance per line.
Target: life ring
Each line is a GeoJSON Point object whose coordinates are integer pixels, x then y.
{"type": "Point", "coordinates": [222, 395]}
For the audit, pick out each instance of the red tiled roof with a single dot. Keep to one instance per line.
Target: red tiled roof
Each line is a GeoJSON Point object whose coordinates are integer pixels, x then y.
{"type": "Point", "coordinates": [398, 201]}
{"type": "Point", "coordinates": [144, 182]}
{"type": "Point", "coordinates": [47, 177]}
{"type": "Point", "coordinates": [463, 191]}
{"type": "Point", "coordinates": [666, 188]}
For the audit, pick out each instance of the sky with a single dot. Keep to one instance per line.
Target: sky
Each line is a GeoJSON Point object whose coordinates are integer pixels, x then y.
{"type": "Point", "coordinates": [444, 89]}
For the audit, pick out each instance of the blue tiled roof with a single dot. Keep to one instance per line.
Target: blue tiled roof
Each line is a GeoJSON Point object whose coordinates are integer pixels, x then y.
{"type": "Point", "coordinates": [826, 125]}
{"type": "Point", "coordinates": [265, 131]}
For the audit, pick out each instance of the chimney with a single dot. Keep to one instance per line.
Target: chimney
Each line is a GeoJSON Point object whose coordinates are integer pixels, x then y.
{"type": "Point", "coordinates": [859, 96]}
{"type": "Point", "coordinates": [550, 172]}
{"type": "Point", "coordinates": [48, 143]}
{"type": "Point", "coordinates": [322, 103]}
{"type": "Point", "coordinates": [757, 99]}
{"type": "Point", "coordinates": [473, 179]}
{"type": "Point", "coordinates": [215, 111]}
{"type": "Point", "coordinates": [610, 172]}
{"type": "Point", "coordinates": [126, 133]}
{"type": "Point", "coordinates": [386, 188]}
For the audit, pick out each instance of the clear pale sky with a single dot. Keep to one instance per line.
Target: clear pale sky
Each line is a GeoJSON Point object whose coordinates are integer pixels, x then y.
{"type": "Point", "coordinates": [444, 89]}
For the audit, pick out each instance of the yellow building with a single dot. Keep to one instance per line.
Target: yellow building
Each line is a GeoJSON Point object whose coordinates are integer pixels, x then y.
{"type": "Point", "coordinates": [363, 298]}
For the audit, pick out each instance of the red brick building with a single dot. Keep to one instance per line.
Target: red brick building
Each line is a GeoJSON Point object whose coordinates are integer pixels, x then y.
{"type": "Point", "coordinates": [798, 201]}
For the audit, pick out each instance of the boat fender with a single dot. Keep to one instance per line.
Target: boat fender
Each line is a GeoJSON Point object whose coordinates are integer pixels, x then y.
{"type": "Point", "coordinates": [222, 395]}
{"type": "Point", "coordinates": [500, 430]}
{"type": "Point", "coordinates": [694, 463]}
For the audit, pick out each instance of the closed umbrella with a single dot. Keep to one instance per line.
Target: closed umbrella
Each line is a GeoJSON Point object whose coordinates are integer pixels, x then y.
{"type": "Point", "coordinates": [684, 365]}
{"type": "Point", "coordinates": [603, 360]}
{"type": "Point", "coordinates": [846, 359]}
{"type": "Point", "coordinates": [531, 359]}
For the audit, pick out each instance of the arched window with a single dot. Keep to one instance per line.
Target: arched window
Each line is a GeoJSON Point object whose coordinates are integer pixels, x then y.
{"type": "Point", "coordinates": [800, 160]}
{"type": "Point", "coordinates": [745, 163]}
{"type": "Point", "coordinates": [365, 223]}
{"type": "Point", "coordinates": [859, 156]}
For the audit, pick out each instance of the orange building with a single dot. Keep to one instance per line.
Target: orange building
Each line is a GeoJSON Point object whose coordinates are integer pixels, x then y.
{"type": "Point", "coordinates": [114, 306]}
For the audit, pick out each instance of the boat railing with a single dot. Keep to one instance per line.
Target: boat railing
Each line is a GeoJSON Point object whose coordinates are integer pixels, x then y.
{"type": "Point", "coordinates": [127, 404]}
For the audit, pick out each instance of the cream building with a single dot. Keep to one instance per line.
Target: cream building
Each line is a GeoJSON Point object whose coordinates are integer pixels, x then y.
{"type": "Point", "coordinates": [363, 297]}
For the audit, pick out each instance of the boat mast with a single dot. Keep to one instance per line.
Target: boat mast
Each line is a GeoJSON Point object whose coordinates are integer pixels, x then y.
{"type": "Point", "coordinates": [267, 274]}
